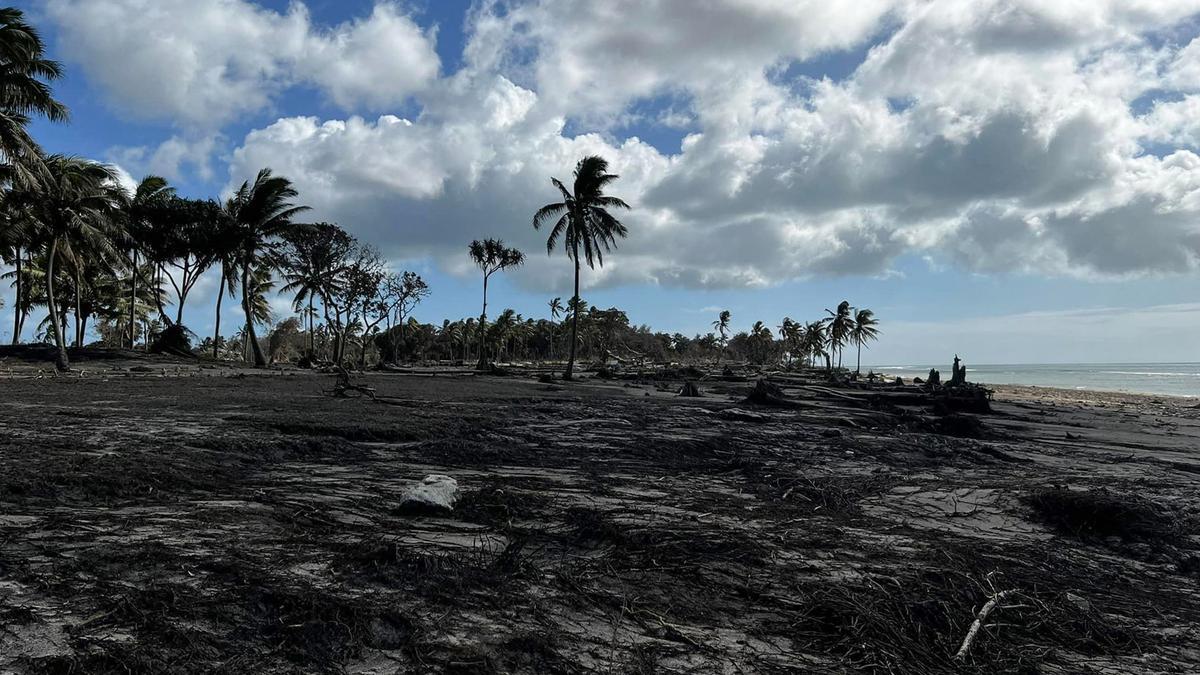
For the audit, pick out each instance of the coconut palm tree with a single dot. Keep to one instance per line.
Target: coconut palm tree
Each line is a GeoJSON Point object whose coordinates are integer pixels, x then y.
{"type": "Point", "coordinates": [18, 238]}
{"type": "Point", "coordinates": [140, 208]}
{"type": "Point", "coordinates": [24, 92]}
{"type": "Point", "coordinates": [74, 206]}
{"type": "Point", "coordinates": [790, 333]}
{"type": "Point", "coordinates": [312, 266]}
{"type": "Point", "coordinates": [556, 310]}
{"type": "Point", "coordinates": [225, 248]}
{"type": "Point", "coordinates": [255, 289]}
{"type": "Point", "coordinates": [262, 212]}
{"type": "Point", "coordinates": [813, 341]}
{"type": "Point", "coordinates": [583, 221]}
{"type": "Point", "coordinates": [840, 323]}
{"type": "Point", "coordinates": [491, 256]}
{"type": "Point", "coordinates": [721, 325]}
{"type": "Point", "coordinates": [864, 330]}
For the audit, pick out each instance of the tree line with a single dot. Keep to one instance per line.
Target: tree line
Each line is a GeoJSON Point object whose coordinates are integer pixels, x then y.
{"type": "Point", "coordinates": [88, 254]}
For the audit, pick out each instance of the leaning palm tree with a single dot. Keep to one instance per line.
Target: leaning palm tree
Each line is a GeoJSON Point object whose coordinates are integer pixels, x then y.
{"type": "Point", "coordinates": [721, 325]}
{"type": "Point", "coordinates": [863, 331]}
{"type": "Point", "coordinates": [583, 221]}
{"type": "Point", "coordinates": [491, 256]}
{"type": "Point", "coordinates": [74, 206]}
{"type": "Point", "coordinates": [262, 211]}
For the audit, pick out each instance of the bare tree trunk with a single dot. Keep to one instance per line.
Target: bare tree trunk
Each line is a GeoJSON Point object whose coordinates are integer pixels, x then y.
{"type": "Point", "coordinates": [78, 310]}
{"type": "Point", "coordinates": [483, 327]}
{"type": "Point", "coordinates": [217, 327]}
{"type": "Point", "coordinates": [260, 361]}
{"type": "Point", "coordinates": [133, 275]}
{"type": "Point", "coordinates": [182, 291]}
{"type": "Point", "coordinates": [574, 323]}
{"type": "Point", "coordinates": [61, 362]}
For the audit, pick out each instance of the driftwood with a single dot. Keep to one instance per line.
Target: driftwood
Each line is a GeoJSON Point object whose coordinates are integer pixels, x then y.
{"type": "Point", "coordinates": [343, 387]}
{"type": "Point", "coordinates": [977, 624]}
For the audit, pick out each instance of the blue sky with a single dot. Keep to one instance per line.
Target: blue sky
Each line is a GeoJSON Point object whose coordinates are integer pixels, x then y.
{"type": "Point", "coordinates": [777, 163]}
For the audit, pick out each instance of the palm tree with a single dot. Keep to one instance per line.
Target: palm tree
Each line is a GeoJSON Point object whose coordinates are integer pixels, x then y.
{"type": "Point", "coordinates": [74, 206]}
{"type": "Point", "coordinates": [583, 220]}
{"type": "Point", "coordinates": [312, 267]}
{"type": "Point", "coordinates": [840, 323]}
{"type": "Point", "coordinates": [491, 256]}
{"type": "Point", "coordinates": [225, 247]}
{"type": "Point", "coordinates": [556, 310]}
{"type": "Point", "coordinates": [262, 211]}
{"type": "Point", "coordinates": [722, 327]}
{"type": "Point", "coordinates": [813, 341]}
{"type": "Point", "coordinates": [147, 199]}
{"type": "Point", "coordinates": [790, 333]}
{"type": "Point", "coordinates": [18, 238]}
{"type": "Point", "coordinates": [24, 71]}
{"type": "Point", "coordinates": [863, 331]}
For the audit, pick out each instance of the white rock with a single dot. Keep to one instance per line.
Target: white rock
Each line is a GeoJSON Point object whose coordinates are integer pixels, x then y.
{"type": "Point", "coordinates": [435, 491]}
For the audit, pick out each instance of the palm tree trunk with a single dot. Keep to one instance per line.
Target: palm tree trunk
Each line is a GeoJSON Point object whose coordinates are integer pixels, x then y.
{"type": "Point", "coordinates": [61, 362]}
{"type": "Point", "coordinates": [574, 323]}
{"type": "Point", "coordinates": [482, 328]}
{"type": "Point", "coordinates": [78, 311]}
{"type": "Point", "coordinates": [133, 301]}
{"type": "Point", "coordinates": [311, 344]}
{"type": "Point", "coordinates": [260, 361]}
{"type": "Point", "coordinates": [16, 337]}
{"type": "Point", "coordinates": [858, 366]}
{"type": "Point", "coordinates": [217, 326]}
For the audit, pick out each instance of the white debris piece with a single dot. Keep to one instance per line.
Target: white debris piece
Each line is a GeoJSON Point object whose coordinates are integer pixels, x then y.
{"type": "Point", "coordinates": [435, 491]}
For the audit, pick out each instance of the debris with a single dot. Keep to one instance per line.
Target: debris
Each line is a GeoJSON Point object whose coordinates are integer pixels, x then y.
{"type": "Point", "coordinates": [690, 390]}
{"type": "Point", "coordinates": [767, 393]}
{"type": "Point", "coordinates": [436, 492]}
{"type": "Point", "coordinates": [977, 624]}
{"type": "Point", "coordinates": [741, 415]}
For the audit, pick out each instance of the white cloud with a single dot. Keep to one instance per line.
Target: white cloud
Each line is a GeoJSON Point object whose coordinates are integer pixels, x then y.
{"type": "Point", "coordinates": [202, 63]}
{"type": "Point", "coordinates": [174, 159]}
{"type": "Point", "coordinates": [995, 135]}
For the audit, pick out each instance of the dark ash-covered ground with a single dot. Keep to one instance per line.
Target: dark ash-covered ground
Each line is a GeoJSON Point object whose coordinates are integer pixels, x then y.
{"type": "Point", "coordinates": [243, 524]}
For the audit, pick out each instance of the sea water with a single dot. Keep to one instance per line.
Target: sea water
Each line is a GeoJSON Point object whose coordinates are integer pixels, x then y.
{"type": "Point", "coordinates": [1172, 379]}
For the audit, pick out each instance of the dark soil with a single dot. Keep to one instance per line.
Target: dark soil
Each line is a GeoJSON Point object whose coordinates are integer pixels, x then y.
{"type": "Point", "coordinates": [247, 522]}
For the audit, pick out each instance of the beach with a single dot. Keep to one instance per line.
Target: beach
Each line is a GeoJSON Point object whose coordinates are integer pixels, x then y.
{"type": "Point", "coordinates": [177, 519]}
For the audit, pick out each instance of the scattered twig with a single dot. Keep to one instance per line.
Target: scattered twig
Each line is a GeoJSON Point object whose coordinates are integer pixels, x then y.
{"type": "Point", "coordinates": [977, 624]}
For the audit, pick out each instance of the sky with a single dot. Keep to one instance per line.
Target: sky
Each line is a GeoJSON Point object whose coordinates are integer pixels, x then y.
{"type": "Point", "coordinates": [1016, 181]}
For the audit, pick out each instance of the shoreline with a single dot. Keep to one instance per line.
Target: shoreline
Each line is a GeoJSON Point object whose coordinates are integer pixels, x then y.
{"type": "Point", "coordinates": [1046, 394]}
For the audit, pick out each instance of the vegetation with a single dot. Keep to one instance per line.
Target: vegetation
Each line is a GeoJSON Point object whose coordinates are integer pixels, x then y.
{"type": "Point", "coordinates": [491, 256]}
{"type": "Point", "coordinates": [583, 221]}
{"type": "Point", "coordinates": [122, 264]}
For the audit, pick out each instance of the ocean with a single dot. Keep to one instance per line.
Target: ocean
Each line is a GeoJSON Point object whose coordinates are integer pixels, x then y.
{"type": "Point", "coordinates": [1172, 379]}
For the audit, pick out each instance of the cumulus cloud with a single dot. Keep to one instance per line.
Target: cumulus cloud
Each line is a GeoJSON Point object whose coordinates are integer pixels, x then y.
{"type": "Point", "coordinates": [994, 135]}
{"type": "Point", "coordinates": [202, 63]}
